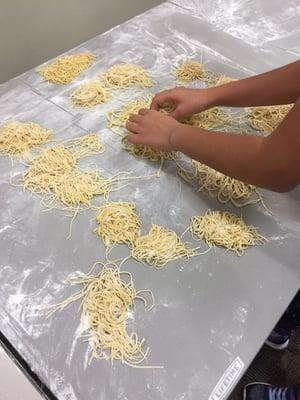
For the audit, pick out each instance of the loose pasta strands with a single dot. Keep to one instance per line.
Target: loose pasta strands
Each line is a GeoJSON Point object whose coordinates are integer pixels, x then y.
{"type": "Point", "coordinates": [118, 118]}
{"type": "Point", "coordinates": [90, 94]}
{"type": "Point", "coordinates": [124, 75]}
{"type": "Point", "coordinates": [46, 168]}
{"type": "Point", "coordinates": [65, 69]}
{"type": "Point", "coordinates": [86, 145]}
{"type": "Point", "coordinates": [79, 188]}
{"type": "Point", "coordinates": [118, 223]}
{"type": "Point", "coordinates": [223, 187]}
{"type": "Point", "coordinates": [160, 246]}
{"type": "Point", "coordinates": [55, 173]}
{"type": "Point", "coordinates": [106, 301]}
{"type": "Point", "coordinates": [222, 228]}
{"type": "Point", "coordinates": [266, 119]}
{"type": "Point", "coordinates": [146, 152]}
{"type": "Point", "coordinates": [117, 121]}
{"type": "Point", "coordinates": [18, 138]}
{"type": "Point", "coordinates": [209, 119]}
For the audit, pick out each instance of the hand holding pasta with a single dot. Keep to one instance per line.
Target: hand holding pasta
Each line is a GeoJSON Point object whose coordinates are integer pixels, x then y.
{"type": "Point", "coordinates": [186, 101]}
{"type": "Point", "coordinates": [152, 128]}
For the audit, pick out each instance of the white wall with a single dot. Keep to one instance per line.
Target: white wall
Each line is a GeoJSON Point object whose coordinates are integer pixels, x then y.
{"type": "Point", "coordinates": [33, 31]}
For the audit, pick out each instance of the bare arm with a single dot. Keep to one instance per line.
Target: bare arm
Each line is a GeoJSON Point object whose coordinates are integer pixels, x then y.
{"type": "Point", "coordinates": [271, 162]}
{"type": "Point", "coordinates": [281, 86]}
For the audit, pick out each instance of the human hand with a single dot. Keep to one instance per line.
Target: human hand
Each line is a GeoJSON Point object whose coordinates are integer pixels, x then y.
{"type": "Point", "coordinates": [152, 128]}
{"type": "Point", "coordinates": [186, 101]}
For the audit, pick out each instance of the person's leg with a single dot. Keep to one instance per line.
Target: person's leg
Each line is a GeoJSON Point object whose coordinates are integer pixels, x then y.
{"type": "Point", "coordinates": [265, 391]}
{"type": "Point", "coordinates": [280, 336]}
{"type": "Point", "coordinates": [278, 339]}
{"type": "Point", "coordinates": [291, 318]}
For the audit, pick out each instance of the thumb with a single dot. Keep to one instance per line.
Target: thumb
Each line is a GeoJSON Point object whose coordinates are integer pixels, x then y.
{"type": "Point", "coordinates": [177, 113]}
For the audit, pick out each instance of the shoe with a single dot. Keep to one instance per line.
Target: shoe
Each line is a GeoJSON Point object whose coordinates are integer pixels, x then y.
{"type": "Point", "coordinates": [265, 391]}
{"type": "Point", "coordinates": [278, 341]}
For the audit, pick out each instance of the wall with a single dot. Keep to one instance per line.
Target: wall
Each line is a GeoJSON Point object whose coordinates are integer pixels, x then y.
{"type": "Point", "coordinates": [33, 31]}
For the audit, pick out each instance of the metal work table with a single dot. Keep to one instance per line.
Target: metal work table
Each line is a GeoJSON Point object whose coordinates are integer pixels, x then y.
{"type": "Point", "coordinates": [213, 312]}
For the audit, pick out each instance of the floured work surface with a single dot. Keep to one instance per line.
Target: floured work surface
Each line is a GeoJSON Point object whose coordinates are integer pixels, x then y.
{"type": "Point", "coordinates": [267, 22]}
{"type": "Point", "coordinates": [211, 312]}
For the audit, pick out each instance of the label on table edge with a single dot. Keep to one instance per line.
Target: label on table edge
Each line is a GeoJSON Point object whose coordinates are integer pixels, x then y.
{"type": "Point", "coordinates": [227, 380]}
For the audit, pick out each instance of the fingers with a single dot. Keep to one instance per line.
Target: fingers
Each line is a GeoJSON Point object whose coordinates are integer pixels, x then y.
{"type": "Point", "coordinates": [134, 139]}
{"type": "Point", "coordinates": [134, 118]}
{"type": "Point", "coordinates": [133, 126]}
{"type": "Point", "coordinates": [177, 113]}
{"type": "Point", "coordinates": [143, 111]}
{"type": "Point", "coordinates": [161, 98]}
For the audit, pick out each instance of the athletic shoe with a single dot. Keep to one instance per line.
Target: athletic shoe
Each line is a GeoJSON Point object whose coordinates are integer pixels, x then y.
{"type": "Point", "coordinates": [278, 341]}
{"type": "Point", "coordinates": [265, 391]}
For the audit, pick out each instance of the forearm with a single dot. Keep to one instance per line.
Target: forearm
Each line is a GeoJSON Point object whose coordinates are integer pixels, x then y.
{"type": "Point", "coordinates": [244, 157]}
{"type": "Point", "coordinates": [281, 86]}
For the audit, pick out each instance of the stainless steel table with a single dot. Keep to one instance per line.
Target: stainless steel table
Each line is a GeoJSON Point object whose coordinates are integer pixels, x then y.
{"type": "Point", "coordinates": [212, 313]}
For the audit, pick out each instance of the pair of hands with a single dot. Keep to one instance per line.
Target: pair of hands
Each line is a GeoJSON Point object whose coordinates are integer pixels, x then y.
{"type": "Point", "coordinates": [155, 129]}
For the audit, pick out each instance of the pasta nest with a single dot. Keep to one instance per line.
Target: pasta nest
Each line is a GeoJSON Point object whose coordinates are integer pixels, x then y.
{"type": "Point", "coordinates": [223, 187]}
{"type": "Point", "coordinates": [125, 75]}
{"type": "Point", "coordinates": [46, 168]}
{"type": "Point", "coordinates": [65, 69]}
{"type": "Point", "coordinates": [209, 119]}
{"type": "Point", "coordinates": [90, 94]}
{"type": "Point", "coordinates": [190, 71]}
{"type": "Point", "coordinates": [106, 301]}
{"type": "Point", "coordinates": [18, 138]}
{"type": "Point", "coordinates": [159, 247]}
{"type": "Point", "coordinates": [78, 188]}
{"type": "Point", "coordinates": [118, 223]}
{"type": "Point", "coordinates": [222, 228]}
{"type": "Point", "coordinates": [267, 119]}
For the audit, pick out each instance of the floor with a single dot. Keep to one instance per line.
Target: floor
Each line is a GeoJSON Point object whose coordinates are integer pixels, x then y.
{"type": "Point", "coordinates": [272, 366]}
{"type": "Point", "coordinates": [13, 384]}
